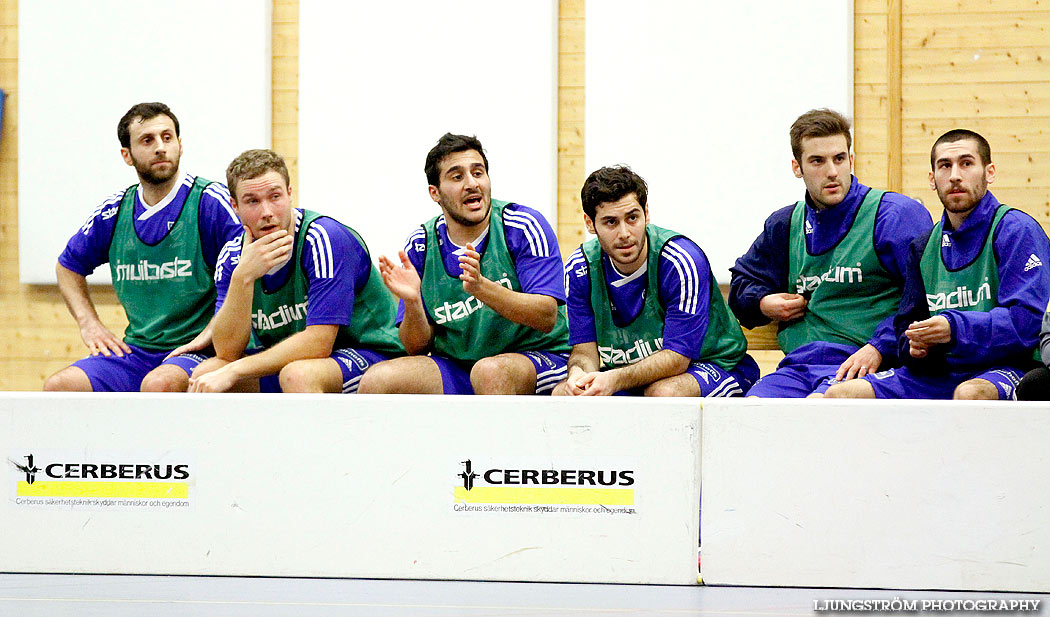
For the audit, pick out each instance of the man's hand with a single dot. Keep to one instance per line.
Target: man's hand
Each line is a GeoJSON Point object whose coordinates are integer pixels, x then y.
{"type": "Point", "coordinates": [198, 343]}
{"type": "Point", "coordinates": [100, 340]}
{"type": "Point", "coordinates": [403, 280]}
{"type": "Point", "coordinates": [926, 333]}
{"type": "Point", "coordinates": [220, 380]}
{"type": "Point", "coordinates": [470, 264]}
{"type": "Point", "coordinates": [783, 306]}
{"type": "Point", "coordinates": [573, 387]}
{"type": "Point", "coordinates": [260, 256]}
{"type": "Point", "coordinates": [600, 383]}
{"type": "Point", "coordinates": [864, 361]}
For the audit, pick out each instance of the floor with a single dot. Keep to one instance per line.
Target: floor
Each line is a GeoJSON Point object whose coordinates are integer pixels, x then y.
{"type": "Point", "coordinates": [58, 595]}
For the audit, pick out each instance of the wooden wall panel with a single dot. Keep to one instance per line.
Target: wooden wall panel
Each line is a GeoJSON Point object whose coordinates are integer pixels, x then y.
{"type": "Point", "coordinates": [571, 174]}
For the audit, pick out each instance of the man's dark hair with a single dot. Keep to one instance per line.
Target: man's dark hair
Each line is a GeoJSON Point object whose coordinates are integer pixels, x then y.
{"type": "Point", "coordinates": [145, 111]}
{"type": "Point", "coordinates": [450, 144]}
{"type": "Point", "coordinates": [983, 149]}
{"type": "Point", "coordinates": [610, 184]}
{"type": "Point", "coordinates": [818, 123]}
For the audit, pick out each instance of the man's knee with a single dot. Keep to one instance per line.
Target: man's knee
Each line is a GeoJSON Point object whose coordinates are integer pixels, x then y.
{"type": "Point", "coordinates": [406, 375]}
{"type": "Point", "coordinates": [165, 378]}
{"type": "Point", "coordinates": [679, 385]}
{"type": "Point", "coordinates": [69, 379]}
{"type": "Point", "coordinates": [306, 376]}
{"type": "Point", "coordinates": [209, 365]}
{"type": "Point", "coordinates": [503, 374]}
{"type": "Point", "coordinates": [854, 388]}
{"type": "Point", "coordinates": [976, 390]}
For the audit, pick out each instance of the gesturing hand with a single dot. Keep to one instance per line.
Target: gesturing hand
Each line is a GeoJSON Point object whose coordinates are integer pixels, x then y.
{"type": "Point", "coordinates": [470, 264]}
{"type": "Point", "coordinates": [402, 280]}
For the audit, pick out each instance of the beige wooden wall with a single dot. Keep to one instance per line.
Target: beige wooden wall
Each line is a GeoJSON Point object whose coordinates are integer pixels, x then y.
{"type": "Point", "coordinates": [922, 67]}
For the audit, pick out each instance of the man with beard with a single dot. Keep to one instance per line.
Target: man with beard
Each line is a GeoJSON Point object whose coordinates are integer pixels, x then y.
{"type": "Point", "coordinates": [480, 287]}
{"type": "Point", "coordinates": [645, 313]}
{"type": "Point", "coordinates": [161, 238]}
{"type": "Point", "coordinates": [829, 269]}
{"type": "Point", "coordinates": [975, 293]}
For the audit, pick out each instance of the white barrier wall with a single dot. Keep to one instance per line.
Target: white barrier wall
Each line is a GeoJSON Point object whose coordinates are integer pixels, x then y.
{"type": "Point", "coordinates": [901, 495]}
{"type": "Point", "coordinates": [354, 486]}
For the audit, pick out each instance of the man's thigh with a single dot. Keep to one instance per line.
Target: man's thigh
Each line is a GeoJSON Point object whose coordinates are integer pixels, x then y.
{"type": "Point", "coordinates": [1005, 381]}
{"type": "Point", "coordinates": [351, 364]}
{"type": "Point", "coordinates": [525, 372]}
{"type": "Point", "coordinates": [413, 375]}
{"type": "Point", "coordinates": [904, 383]}
{"type": "Point", "coordinates": [713, 380]}
{"type": "Point", "coordinates": [795, 381]}
{"type": "Point", "coordinates": [120, 374]}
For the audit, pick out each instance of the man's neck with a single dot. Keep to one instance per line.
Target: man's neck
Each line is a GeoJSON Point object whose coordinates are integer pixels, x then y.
{"type": "Point", "coordinates": [956, 219]}
{"type": "Point", "coordinates": [460, 235]}
{"type": "Point", "coordinates": [153, 193]}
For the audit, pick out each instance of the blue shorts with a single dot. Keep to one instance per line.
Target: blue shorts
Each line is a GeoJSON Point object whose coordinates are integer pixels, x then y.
{"type": "Point", "coordinates": [551, 367]}
{"type": "Point", "coordinates": [903, 383]}
{"type": "Point", "coordinates": [806, 370]}
{"type": "Point", "coordinates": [353, 363]}
{"type": "Point", "coordinates": [116, 374]}
{"type": "Point", "coordinates": [716, 381]}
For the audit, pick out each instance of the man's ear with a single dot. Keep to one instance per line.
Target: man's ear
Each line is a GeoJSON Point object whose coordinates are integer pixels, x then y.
{"type": "Point", "coordinates": [434, 194]}
{"type": "Point", "coordinates": [125, 153]}
{"type": "Point", "coordinates": [797, 169]}
{"type": "Point", "coordinates": [589, 223]}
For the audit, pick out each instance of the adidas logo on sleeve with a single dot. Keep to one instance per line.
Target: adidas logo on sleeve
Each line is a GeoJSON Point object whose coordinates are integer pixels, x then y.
{"type": "Point", "coordinates": [1033, 262]}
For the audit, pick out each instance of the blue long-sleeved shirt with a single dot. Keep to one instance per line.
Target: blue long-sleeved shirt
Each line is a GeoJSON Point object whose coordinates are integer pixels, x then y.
{"type": "Point", "coordinates": [1004, 336]}
{"type": "Point", "coordinates": [763, 270]}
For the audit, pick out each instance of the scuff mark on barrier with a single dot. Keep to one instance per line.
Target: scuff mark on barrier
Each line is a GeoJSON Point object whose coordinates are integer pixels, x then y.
{"type": "Point", "coordinates": [488, 563]}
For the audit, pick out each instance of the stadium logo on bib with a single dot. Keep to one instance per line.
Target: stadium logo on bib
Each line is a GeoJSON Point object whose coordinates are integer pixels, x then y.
{"type": "Point", "coordinates": [962, 297]}
{"type": "Point", "coordinates": [283, 316]}
{"type": "Point", "coordinates": [835, 274]}
{"type": "Point", "coordinates": [464, 308]}
{"type": "Point", "coordinates": [639, 350]}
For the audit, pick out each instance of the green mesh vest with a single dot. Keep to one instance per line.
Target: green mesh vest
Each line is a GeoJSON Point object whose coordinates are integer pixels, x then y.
{"type": "Point", "coordinates": [166, 289]}
{"type": "Point", "coordinates": [724, 343]}
{"type": "Point", "coordinates": [280, 313]}
{"type": "Point", "coordinates": [465, 328]}
{"type": "Point", "coordinates": [850, 290]}
{"type": "Point", "coordinates": [972, 288]}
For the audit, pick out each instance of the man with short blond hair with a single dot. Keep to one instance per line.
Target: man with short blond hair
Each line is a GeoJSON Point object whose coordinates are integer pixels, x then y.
{"type": "Point", "coordinates": [300, 284]}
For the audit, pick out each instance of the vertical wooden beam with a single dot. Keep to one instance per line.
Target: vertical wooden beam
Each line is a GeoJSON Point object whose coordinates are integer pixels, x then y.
{"type": "Point", "coordinates": [571, 77]}
{"type": "Point", "coordinates": [894, 96]}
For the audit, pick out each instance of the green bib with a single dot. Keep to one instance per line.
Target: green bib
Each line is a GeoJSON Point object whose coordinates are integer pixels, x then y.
{"type": "Point", "coordinates": [280, 313]}
{"type": "Point", "coordinates": [464, 327]}
{"type": "Point", "coordinates": [724, 343]}
{"type": "Point", "coordinates": [166, 289]}
{"type": "Point", "coordinates": [850, 290]}
{"type": "Point", "coordinates": [972, 288]}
